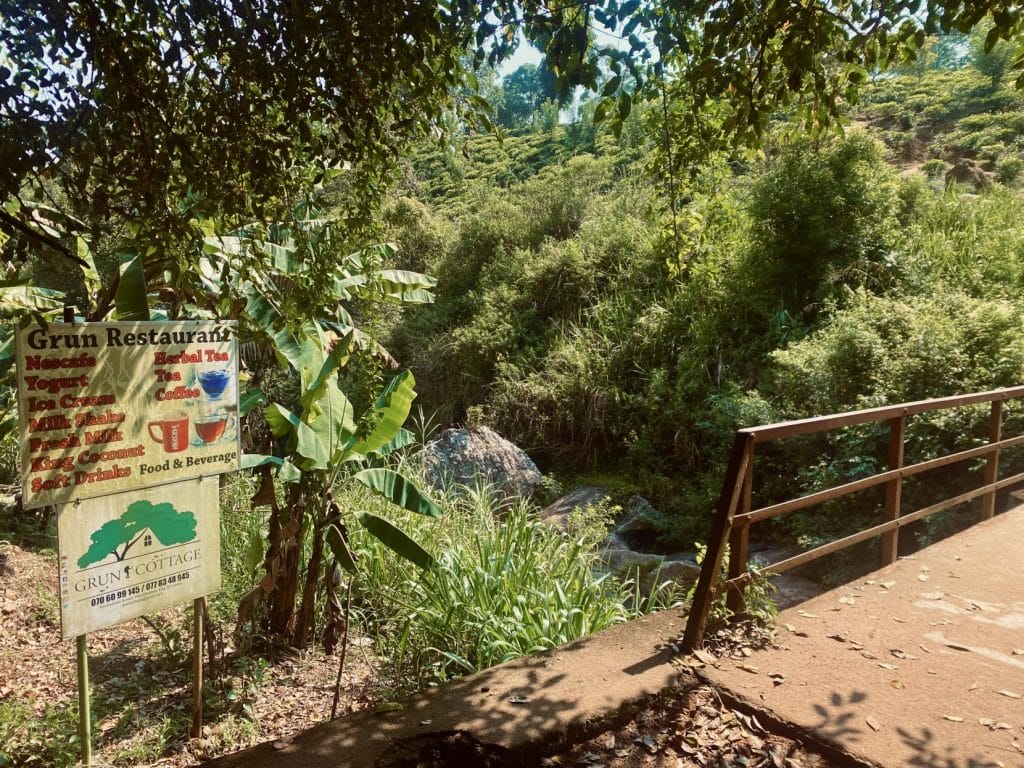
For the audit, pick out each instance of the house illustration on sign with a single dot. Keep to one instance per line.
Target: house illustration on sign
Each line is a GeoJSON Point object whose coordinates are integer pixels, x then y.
{"type": "Point", "coordinates": [142, 520]}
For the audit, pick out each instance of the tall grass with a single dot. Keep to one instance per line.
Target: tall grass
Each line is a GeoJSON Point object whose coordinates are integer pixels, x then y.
{"type": "Point", "coordinates": [505, 585]}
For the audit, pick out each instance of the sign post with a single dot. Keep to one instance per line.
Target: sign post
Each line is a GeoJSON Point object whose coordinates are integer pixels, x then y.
{"type": "Point", "coordinates": [124, 426]}
{"type": "Point", "coordinates": [84, 715]}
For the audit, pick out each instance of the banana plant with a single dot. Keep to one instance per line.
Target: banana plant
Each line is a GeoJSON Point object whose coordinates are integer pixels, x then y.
{"type": "Point", "coordinates": [321, 445]}
{"type": "Point", "coordinates": [272, 273]}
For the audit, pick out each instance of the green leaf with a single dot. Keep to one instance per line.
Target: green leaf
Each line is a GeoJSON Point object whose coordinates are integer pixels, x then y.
{"type": "Point", "coordinates": [88, 264]}
{"type": "Point", "coordinates": [17, 298]}
{"type": "Point", "coordinates": [250, 399]}
{"type": "Point", "coordinates": [402, 439]}
{"type": "Point", "coordinates": [390, 413]}
{"type": "Point", "coordinates": [266, 317]}
{"type": "Point", "coordinates": [253, 460]}
{"type": "Point", "coordinates": [308, 445]}
{"type": "Point", "coordinates": [396, 540]}
{"type": "Point", "coordinates": [339, 548]}
{"type": "Point", "coordinates": [254, 553]}
{"type": "Point", "coordinates": [336, 359]}
{"type": "Point", "coordinates": [130, 302]}
{"type": "Point", "coordinates": [331, 418]}
{"type": "Point", "coordinates": [398, 489]}
{"type": "Point", "coordinates": [418, 296]}
{"type": "Point", "coordinates": [288, 472]}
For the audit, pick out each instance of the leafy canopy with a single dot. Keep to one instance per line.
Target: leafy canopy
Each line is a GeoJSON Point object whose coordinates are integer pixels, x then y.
{"type": "Point", "coordinates": [167, 110]}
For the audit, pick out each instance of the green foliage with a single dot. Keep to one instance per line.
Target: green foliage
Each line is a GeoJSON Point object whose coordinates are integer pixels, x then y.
{"type": "Point", "coordinates": [883, 350]}
{"type": "Point", "coordinates": [523, 92]}
{"type": "Point", "coordinates": [48, 738]}
{"type": "Point", "coordinates": [822, 219]}
{"type": "Point", "coordinates": [758, 593]}
{"type": "Point", "coordinates": [501, 588]}
{"type": "Point", "coordinates": [989, 55]}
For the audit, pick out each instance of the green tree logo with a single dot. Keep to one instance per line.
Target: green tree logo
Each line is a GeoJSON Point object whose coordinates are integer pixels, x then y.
{"type": "Point", "coordinates": [116, 537]}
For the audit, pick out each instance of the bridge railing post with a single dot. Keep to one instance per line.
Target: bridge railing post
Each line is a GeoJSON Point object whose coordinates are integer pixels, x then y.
{"type": "Point", "coordinates": [704, 593]}
{"type": "Point", "coordinates": [739, 541]}
{"type": "Point", "coordinates": [995, 431]}
{"type": "Point", "coordinates": [894, 488]}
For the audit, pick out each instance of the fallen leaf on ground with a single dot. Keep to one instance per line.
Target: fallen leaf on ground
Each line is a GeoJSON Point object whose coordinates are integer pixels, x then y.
{"type": "Point", "coordinates": [875, 725]}
{"type": "Point", "coordinates": [897, 685]}
{"type": "Point", "coordinates": [606, 741]}
{"type": "Point", "coordinates": [1010, 694]}
{"type": "Point", "coordinates": [704, 656]}
{"type": "Point", "coordinates": [887, 584]}
{"type": "Point", "coordinates": [953, 718]}
{"type": "Point", "coordinates": [747, 668]}
{"type": "Point", "coordinates": [883, 665]}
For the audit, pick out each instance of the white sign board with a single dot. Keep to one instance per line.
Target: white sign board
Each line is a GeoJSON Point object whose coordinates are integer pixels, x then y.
{"type": "Point", "coordinates": [136, 553]}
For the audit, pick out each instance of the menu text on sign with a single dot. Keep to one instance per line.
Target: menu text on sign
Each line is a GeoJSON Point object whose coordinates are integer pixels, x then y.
{"type": "Point", "coordinates": [109, 407]}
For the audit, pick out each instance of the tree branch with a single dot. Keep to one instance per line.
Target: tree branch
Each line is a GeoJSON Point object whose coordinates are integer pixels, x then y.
{"type": "Point", "coordinates": [40, 238]}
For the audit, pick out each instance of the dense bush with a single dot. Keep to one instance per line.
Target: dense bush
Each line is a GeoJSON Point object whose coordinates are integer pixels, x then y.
{"type": "Point", "coordinates": [823, 218]}
{"type": "Point", "coordinates": [882, 350]}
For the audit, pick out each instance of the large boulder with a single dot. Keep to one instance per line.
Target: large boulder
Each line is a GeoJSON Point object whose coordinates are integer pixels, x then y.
{"type": "Point", "coordinates": [967, 171]}
{"type": "Point", "coordinates": [640, 525]}
{"type": "Point", "coordinates": [472, 456]}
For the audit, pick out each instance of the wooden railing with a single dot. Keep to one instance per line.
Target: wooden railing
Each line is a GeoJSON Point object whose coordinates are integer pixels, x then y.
{"type": "Point", "coordinates": [734, 515]}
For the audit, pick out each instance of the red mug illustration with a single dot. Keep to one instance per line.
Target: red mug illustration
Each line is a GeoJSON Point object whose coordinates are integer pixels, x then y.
{"type": "Point", "coordinates": [171, 431]}
{"type": "Point", "coordinates": [211, 425]}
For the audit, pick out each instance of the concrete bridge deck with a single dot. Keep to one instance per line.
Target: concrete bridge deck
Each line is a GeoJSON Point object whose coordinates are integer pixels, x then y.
{"type": "Point", "coordinates": [921, 663]}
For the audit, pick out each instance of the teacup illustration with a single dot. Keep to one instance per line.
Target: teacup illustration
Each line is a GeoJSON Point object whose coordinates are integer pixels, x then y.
{"type": "Point", "coordinates": [211, 425]}
{"type": "Point", "coordinates": [214, 382]}
{"type": "Point", "coordinates": [171, 431]}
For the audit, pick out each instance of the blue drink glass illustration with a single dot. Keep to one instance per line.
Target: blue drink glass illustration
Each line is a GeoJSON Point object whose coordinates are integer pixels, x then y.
{"type": "Point", "coordinates": [214, 382]}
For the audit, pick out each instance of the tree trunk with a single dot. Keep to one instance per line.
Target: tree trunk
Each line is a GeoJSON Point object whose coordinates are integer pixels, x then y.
{"type": "Point", "coordinates": [282, 561]}
{"type": "Point", "coordinates": [302, 635]}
